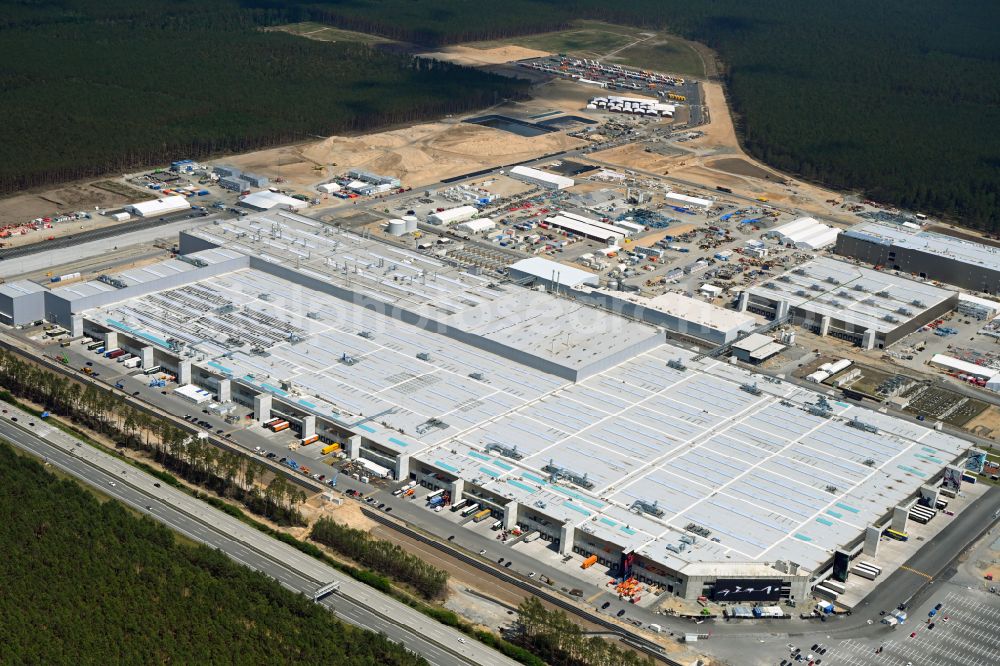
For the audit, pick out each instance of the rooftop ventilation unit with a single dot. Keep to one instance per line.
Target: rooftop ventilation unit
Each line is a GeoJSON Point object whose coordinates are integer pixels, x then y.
{"type": "Point", "coordinates": [114, 282]}
{"type": "Point", "coordinates": [917, 303]}
{"type": "Point", "coordinates": [266, 297]}
{"type": "Point", "coordinates": [821, 407]}
{"type": "Point", "coordinates": [785, 278]}
{"type": "Point", "coordinates": [815, 287]}
{"type": "Point", "coordinates": [424, 356]}
{"type": "Point", "coordinates": [882, 294]}
{"type": "Point", "coordinates": [752, 389]}
{"type": "Point", "coordinates": [643, 506]}
{"type": "Point", "coordinates": [314, 315]}
{"type": "Point", "coordinates": [802, 292]}
{"type": "Point", "coordinates": [832, 489]}
{"type": "Point", "coordinates": [860, 287]}
{"type": "Point", "coordinates": [506, 450]}
{"type": "Point", "coordinates": [431, 424]}
{"type": "Point", "coordinates": [368, 335]}
{"type": "Point", "coordinates": [194, 261]}
{"type": "Point", "coordinates": [861, 425]}
{"type": "Point", "coordinates": [891, 319]}
{"type": "Point", "coordinates": [800, 271]}
{"type": "Point", "coordinates": [478, 376]}
{"type": "Point", "coordinates": [698, 529]}
{"type": "Point", "coordinates": [346, 359]}
{"type": "Point", "coordinates": [906, 312]}
{"type": "Point", "coordinates": [832, 280]}
{"type": "Point", "coordinates": [558, 472]}
{"type": "Point", "coordinates": [677, 364]}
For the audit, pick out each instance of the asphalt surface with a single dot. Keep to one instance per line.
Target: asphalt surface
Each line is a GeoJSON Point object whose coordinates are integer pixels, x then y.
{"type": "Point", "coordinates": [353, 602]}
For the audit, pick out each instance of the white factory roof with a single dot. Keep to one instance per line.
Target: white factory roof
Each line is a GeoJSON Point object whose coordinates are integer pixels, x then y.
{"type": "Point", "coordinates": [958, 249]}
{"type": "Point", "coordinates": [459, 213]}
{"type": "Point", "coordinates": [584, 229]}
{"type": "Point", "coordinates": [853, 294]}
{"type": "Point", "coordinates": [806, 233]}
{"type": "Point", "coordinates": [19, 288]}
{"type": "Point", "coordinates": [965, 367]}
{"type": "Point", "coordinates": [597, 223]}
{"type": "Point", "coordinates": [755, 470]}
{"type": "Point", "coordinates": [696, 201]}
{"type": "Point", "coordinates": [982, 302]}
{"type": "Point", "coordinates": [266, 200]}
{"type": "Point", "coordinates": [534, 175]}
{"type": "Point", "coordinates": [693, 310]}
{"type": "Point", "coordinates": [160, 206]}
{"type": "Point", "coordinates": [545, 269]}
{"type": "Point", "coordinates": [478, 225]}
{"type": "Point", "coordinates": [753, 342]}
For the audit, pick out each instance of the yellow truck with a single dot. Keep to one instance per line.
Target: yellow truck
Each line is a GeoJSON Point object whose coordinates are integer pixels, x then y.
{"type": "Point", "coordinates": [329, 448]}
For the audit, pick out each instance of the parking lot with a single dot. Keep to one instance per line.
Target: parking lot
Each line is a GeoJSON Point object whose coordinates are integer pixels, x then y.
{"type": "Point", "coordinates": [969, 636]}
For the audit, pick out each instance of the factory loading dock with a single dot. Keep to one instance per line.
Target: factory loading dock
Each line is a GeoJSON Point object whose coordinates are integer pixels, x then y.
{"type": "Point", "coordinates": [576, 423]}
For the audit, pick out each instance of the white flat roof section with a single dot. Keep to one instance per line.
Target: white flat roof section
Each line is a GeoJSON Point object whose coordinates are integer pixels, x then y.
{"type": "Point", "coordinates": [694, 201]}
{"type": "Point", "coordinates": [959, 249]}
{"type": "Point", "coordinates": [861, 296]}
{"type": "Point", "coordinates": [586, 229]}
{"type": "Point", "coordinates": [540, 177]}
{"type": "Point", "coordinates": [768, 479]}
{"type": "Point", "coordinates": [266, 200]}
{"type": "Point", "coordinates": [162, 206]}
{"type": "Point", "coordinates": [19, 288]}
{"type": "Point", "coordinates": [553, 271]}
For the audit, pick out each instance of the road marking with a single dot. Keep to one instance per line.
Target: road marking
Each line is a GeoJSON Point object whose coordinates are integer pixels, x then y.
{"type": "Point", "coordinates": [919, 573]}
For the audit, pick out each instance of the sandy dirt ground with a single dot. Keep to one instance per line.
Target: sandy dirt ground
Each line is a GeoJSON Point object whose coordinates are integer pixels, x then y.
{"type": "Point", "coordinates": [23, 208]}
{"type": "Point", "coordinates": [986, 424]}
{"type": "Point", "coordinates": [417, 155]}
{"type": "Point", "coordinates": [467, 55]}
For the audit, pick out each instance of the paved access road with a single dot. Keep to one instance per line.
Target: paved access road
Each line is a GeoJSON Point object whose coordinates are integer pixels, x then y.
{"type": "Point", "coordinates": [354, 602]}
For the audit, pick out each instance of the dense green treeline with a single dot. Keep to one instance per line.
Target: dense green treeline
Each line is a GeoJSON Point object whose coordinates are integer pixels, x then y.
{"type": "Point", "coordinates": [382, 556]}
{"type": "Point", "coordinates": [89, 583]}
{"type": "Point", "coordinates": [90, 87]}
{"type": "Point", "coordinates": [899, 99]}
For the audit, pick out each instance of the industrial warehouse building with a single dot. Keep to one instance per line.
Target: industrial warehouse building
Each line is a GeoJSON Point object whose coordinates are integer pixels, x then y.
{"type": "Point", "coordinates": [453, 215]}
{"type": "Point", "coordinates": [21, 302]}
{"type": "Point", "coordinates": [579, 424]}
{"type": "Point", "coordinates": [869, 308]}
{"type": "Point", "coordinates": [956, 261]}
{"type": "Point", "coordinates": [541, 178]}
{"type": "Point", "coordinates": [805, 233]}
{"type": "Point", "coordinates": [266, 200]}
{"type": "Point", "coordinates": [164, 206]}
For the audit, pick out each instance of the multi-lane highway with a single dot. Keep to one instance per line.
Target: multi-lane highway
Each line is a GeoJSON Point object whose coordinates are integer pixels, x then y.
{"type": "Point", "coordinates": [353, 602]}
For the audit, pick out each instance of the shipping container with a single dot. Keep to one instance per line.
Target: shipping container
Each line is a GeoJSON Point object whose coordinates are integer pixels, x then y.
{"type": "Point", "coordinates": [329, 448]}
{"type": "Point", "coordinates": [281, 425]}
{"type": "Point", "coordinates": [481, 516]}
{"type": "Point", "coordinates": [132, 362]}
{"type": "Point", "coordinates": [306, 441]}
{"type": "Point", "coordinates": [864, 573]}
{"type": "Point", "coordinates": [461, 504]}
{"type": "Point", "coordinates": [436, 493]}
{"type": "Point", "coordinates": [469, 510]}
{"type": "Point", "coordinates": [152, 371]}
{"type": "Point", "coordinates": [589, 562]}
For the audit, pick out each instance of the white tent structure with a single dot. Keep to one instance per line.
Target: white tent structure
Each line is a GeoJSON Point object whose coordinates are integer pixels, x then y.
{"type": "Point", "coordinates": [805, 233]}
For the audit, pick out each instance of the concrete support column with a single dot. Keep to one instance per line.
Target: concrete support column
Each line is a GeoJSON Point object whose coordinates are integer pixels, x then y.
{"type": "Point", "coordinates": [402, 466]}
{"type": "Point", "coordinates": [510, 515]}
{"type": "Point", "coordinates": [146, 358]}
{"type": "Point", "coordinates": [872, 537]}
{"type": "Point", "coordinates": [824, 326]}
{"type": "Point", "coordinates": [781, 309]}
{"type": "Point", "coordinates": [354, 447]}
{"type": "Point", "coordinates": [262, 407]}
{"type": "Point", "coordinates": [226, 391]}
{"type": "Point", "coordinates": [110, 340]}
{"type": "Point", "coordinates": [76, 326]}
{"type": "Point", "coordinates": [457, 488]}
{"type": "Point", "coordinates": [567, 536]}
{"type": "Point", "coordinates": [899, 516]}
{"type": "Point", "coordinates": [929, 495]}
{"type": "Point", "coordinates": [184, 373]}
{"type": "Point", "coordinates": [308, 425]}
{"type": "Point", "coordinates": [743, 302]}
{"type": "Point", "coordinates": [868, 340]}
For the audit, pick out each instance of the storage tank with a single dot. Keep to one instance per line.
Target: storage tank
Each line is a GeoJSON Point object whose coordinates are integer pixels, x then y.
{"type": "Point", "coordinates": [396, 227]}
{"type": "Point", "coordinates": [411, 223]}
